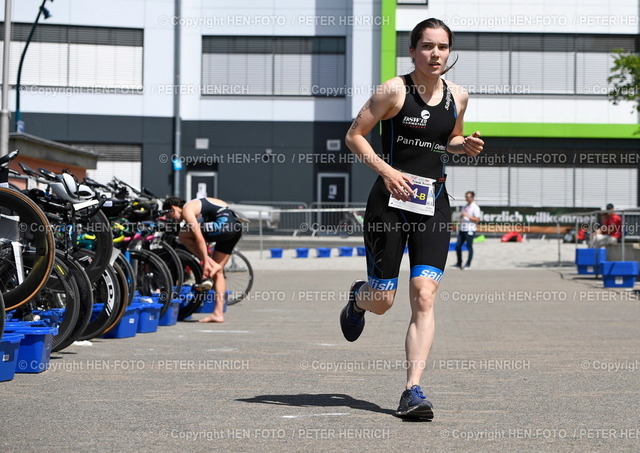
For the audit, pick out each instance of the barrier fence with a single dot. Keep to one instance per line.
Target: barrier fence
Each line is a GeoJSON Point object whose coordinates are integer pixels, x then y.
{"type": "Point", "coordinates": [630, 223]}
{"type": "Point", "coordinates": [346, 219]}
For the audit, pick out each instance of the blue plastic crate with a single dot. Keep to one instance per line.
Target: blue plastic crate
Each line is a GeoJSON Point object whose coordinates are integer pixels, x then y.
{"type": "Point", "coordinates": [619, 274]}
{"type": "Point", "coordinates": [302, 252]}
{"type": "Point", "coordinates": [149, 317]}
{"type": "Point", "coordinates": [588, 260]}
{"type": "Point", "coordinates": [452, 246]}
{"type": "Point", "coordinates": [209, 303]}
{"type": "Point", "coordinates": [276, 253]}
{"type": "Point", "coordinates": [345, 251]}
{"type": "Point", "coordinates": [323, 252]}
{"type": "Point", "coordinates": [170, 317]}
{"type": "Point", "coordinates": [361, 250]}
{"type": "Point", "coordinates": [35, 348]}
{"type": "Point", "coordinates": [127, 326]}
{"type": "Point", "coordinates": [9, 346]}
{"type": "Point", "coordinates": [51, 318]}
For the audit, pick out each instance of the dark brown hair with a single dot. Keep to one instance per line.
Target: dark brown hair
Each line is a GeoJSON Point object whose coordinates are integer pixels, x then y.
{"type": "Point", "coordinates": [173, 201]}
{"type": "Point", "coordinates": [433, 23]}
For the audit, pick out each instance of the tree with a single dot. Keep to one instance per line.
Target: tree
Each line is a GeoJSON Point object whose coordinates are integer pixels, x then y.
{"type": "Point", "coordinates": [625, 78]}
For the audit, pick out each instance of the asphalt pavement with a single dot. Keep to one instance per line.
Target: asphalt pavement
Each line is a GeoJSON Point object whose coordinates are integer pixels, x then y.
{"type": "Point", "coordinates": [532, 359]}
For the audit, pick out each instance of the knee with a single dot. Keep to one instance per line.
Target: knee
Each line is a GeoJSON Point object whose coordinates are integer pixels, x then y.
{"type": "Point", "coordinates": [378, 302]}
{"type": "Point", "coordinates": [424, 298]}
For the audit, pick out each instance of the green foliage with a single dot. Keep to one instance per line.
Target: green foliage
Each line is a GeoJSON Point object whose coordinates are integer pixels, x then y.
{"type": "Point", "coordinates": [625, 78]}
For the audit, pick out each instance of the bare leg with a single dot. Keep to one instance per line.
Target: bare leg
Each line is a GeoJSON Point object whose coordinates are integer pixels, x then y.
{"type": "Point", "coordinates": [373, 300]}
{"type": "Point", "coordinates": [186, 239]}
{"type": "Point", "coordinates": [422, 292]}
{"type": "Point", "coordinates": [219, 287]}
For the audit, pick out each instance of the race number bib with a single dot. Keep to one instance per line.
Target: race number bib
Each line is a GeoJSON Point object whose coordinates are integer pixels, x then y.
{"type": "Point", "coordinates": [422, 198]}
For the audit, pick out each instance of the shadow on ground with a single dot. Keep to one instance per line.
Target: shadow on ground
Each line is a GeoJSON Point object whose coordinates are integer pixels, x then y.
{"type": "Point", "coordinates": [317, 400]}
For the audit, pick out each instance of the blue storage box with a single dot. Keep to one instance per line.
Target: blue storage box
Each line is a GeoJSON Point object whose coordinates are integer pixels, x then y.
{"type": "Point", "coordinates": [323, 252]}
{"type": "Point", "coordinates": [452, 246]}
{"type": "Point", "coordinates": [170, 317]}
{"type": "Point", "coordinates": [619, 274]}
{"type": "Point", "coordinates": [345, 251]}
{"type": "Point", "coordinates": [209, 303]}
{"type": "Point", "coordinates": [51, 318]}
{"type": "Point", "coordinates": [9, 346]}
{"type": "Point", "coordinates": [184, 297]}
{"type": "Point", "coordinates": [361, 250]}
{"type": "Point", "coordinates": [302, 252]}
{"type": "Point", "coordinates": [589, 259]}
{"type": "Point", "coordinates": [127, 326]}
{"type": "Point", "coordinates": [10, 326]}
{"type": "Point", "coordinates": [149, 317]}
{"type": "Point", "coordinates": [35, 348]}
{"type": "Point", "coordinates": [276, 253]}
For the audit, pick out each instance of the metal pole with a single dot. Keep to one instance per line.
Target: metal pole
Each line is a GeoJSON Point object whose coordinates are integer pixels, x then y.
{"type": "Point", "coordinates": [19, 123]}
{"type": "Point", "coordinates": [177, 124]}
{"type": "Point", "coordinates": [622, 232]}
{"type": "Point", "coordinates": [260, 231]}
{"type": "Point", "coordinates": [560, 242]}
{"type": "Point", "coordinates": [4, 120]}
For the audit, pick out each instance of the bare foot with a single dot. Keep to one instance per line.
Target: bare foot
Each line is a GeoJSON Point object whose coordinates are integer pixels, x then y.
{"type": "Point", "coordinates": [212, 318]}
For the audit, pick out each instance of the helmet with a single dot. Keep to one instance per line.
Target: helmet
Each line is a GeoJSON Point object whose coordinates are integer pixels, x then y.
{"type": "Point", "coordinates": [67, 188]}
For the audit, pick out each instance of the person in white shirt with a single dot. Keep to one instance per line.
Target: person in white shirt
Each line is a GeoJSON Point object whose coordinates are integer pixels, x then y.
{"type": "Point", "coordinates": [467, 228]}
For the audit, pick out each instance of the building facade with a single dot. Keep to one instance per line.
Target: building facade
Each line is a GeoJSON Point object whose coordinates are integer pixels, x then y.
{"type": "Point", "coordinates": [250, 101]}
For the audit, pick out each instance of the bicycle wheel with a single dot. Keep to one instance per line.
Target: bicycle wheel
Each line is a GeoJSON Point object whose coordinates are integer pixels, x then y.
{"type": "Point", "coordinates": [123, 289]}
{"type": "Point", "coordinates": [2, 315]}
{"type": "Point", "coordinates": [169, 256]}
{"type": "Point", "coordinates": [85, 292]}
{"type": "Point", "coordinates": [130, 277]}
{"type": "Point", "coordinates": [238, 275]}
{"type": "Point", "coordinates": [152, 277]}
{"type": "Point", "coordinates": [58, 302]}
{"type": "Point", "coordinates": [106, 293]}
{"type": "Point", "coordinates": [192, 273]}
{"type": "Point", "coordinates": [28, 226]}
{"type": "Point", "coordinates": [97, 225]}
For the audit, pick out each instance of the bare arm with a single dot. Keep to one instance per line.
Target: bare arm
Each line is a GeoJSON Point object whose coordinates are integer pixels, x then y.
{"type": "Point", "coordinates": [383, 104]}
{"type": "Point", "coordinates": [190, 212]}
{"type": "Point", "coordinates": [458, 144]}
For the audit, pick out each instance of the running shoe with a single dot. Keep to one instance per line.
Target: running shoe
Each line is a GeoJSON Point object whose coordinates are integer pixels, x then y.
{"type": "Point", "coordinates": [352, 321]}
{"type": "Point", "coordinates": [206, 285]}
{"type": "Point", "coordinates": [413, 404]}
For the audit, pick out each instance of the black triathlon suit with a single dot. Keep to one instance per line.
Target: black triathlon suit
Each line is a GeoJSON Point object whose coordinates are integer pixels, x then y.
{"type": "Point", "coordinates": [219, 224]}
{"type": "Point", "coordinates": [414, 141]}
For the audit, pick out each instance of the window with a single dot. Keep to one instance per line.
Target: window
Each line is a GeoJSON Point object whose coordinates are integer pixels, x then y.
{"type": "Point", "coordinates": [123, 160]}
{"type": "Point", "coordinates": [273, 66]}
{"type": "Point", "coordinates": [76, 56]}
{"type": "Point", "coordinates": [529, 63]}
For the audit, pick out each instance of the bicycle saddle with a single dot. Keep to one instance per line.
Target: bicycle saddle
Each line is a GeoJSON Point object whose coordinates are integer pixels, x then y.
{"type": "Point", "coordinates": [28, 170]}
{"type": "Point", "coordinates": [4, 160]}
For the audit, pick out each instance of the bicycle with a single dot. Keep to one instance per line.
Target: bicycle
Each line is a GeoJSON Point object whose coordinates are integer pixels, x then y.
{"type": "Point", "coordinates": [82, 275]}
{"type": "Point", "coordinates": [27, 248]}
{"type": "Point", "coordinates": [238, 275]}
